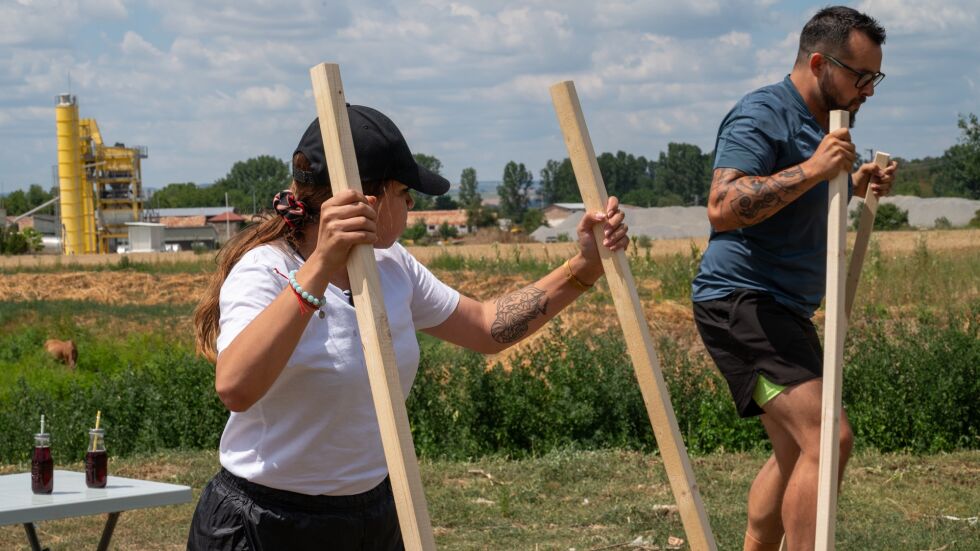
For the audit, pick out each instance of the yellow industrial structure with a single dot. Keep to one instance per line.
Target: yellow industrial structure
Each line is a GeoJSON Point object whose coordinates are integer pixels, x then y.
{"type": "Point", "coordinates": [100, 186]}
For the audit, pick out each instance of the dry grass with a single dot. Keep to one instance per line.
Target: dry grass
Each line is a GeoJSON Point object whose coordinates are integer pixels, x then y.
{"type": "Point", "coordinates": [124, 287]}
{"type": "Point", "coordinates": [49, 260]}
{"type": "Point", "coordinates": [896, 242]}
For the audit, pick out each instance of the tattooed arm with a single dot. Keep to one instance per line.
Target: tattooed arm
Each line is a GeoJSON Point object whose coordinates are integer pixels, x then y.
{"type": "Point", "coordinates": [493, 325]}
{"type": "Point", "coordinates": [738, 200]}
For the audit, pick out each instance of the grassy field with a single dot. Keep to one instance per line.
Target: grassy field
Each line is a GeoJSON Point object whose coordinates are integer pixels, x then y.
{"type": "Point", "coordinates": [127, 311]}
{"type": "Point", "coordinates": [592, 501]}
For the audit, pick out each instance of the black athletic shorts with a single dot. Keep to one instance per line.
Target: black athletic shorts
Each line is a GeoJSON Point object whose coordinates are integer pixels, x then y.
{"type": "Point", "coordinates": [749, 334]}
{"type": "Point", "coordinates": [235, 514]}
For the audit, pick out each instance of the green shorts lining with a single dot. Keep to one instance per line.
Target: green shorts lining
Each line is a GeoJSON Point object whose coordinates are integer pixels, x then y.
{"type": "Point", "coordinates": [765, 390]}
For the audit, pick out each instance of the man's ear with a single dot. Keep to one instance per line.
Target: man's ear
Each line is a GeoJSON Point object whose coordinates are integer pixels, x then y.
{"type": "Point", "coordinates": [817, 62]}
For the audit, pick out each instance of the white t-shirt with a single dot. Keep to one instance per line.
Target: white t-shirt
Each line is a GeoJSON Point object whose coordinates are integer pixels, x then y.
{"type": "Point", "coordinates": [315, 431]}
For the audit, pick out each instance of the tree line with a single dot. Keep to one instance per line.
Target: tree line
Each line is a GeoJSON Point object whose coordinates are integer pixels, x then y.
{"type": "Point", "coordinates": [679, 176]}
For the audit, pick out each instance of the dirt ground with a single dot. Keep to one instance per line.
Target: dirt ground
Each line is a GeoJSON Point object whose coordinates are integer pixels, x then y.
{"type": "Point", "coordinates": [131, 287]}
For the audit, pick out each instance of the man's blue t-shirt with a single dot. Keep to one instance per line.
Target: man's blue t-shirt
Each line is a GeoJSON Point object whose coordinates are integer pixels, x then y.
{"type": "Point", "coordinates": [767, 131]}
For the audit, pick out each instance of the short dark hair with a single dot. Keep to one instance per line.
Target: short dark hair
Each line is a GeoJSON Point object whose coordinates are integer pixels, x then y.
{"type": "Point", "coordinates": [829, 29]}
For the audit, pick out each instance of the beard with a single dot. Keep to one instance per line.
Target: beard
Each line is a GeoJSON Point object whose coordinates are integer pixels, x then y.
{"type": "Point", "coordinates": [832, 102]}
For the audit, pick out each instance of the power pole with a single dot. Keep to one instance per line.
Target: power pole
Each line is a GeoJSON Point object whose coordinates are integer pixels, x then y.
{"type": "Point", "coordinates": [227, 221]}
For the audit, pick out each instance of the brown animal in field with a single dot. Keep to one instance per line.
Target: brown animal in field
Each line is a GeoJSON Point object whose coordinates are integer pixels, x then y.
{"type": "Point", "coordinates": [63, 351]}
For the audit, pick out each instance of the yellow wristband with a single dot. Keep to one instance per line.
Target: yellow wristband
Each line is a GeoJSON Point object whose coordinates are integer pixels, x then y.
{"type": "Point", "coordinates": [575, 281]}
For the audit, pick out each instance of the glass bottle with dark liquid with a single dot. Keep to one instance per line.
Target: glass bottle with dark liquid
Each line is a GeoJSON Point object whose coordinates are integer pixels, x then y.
{"type": "Point", "coordinates": [42, 465]}
{"type": "Point", "coordinates": [96, 460]}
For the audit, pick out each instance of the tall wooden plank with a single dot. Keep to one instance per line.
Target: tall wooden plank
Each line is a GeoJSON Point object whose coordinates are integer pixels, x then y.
{"type": "Point", "coordinates": [865, 226]}
{"type": "Point", "coordinates": [833, 356]}
{"type": "Point", "coordinates": [634, 324]}
{"type": "Point", "coordinates": [372, 320]}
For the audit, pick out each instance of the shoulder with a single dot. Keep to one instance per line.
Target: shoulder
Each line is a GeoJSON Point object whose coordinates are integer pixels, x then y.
{"type": "Point", "coordinates": [396, 254]}
{"type": "Point", "coordinates": [766, 112]}
{"type": "Point", "coordinates": [268, 254]}
{"type": "Point", "coordinates": [262, 261]}
{"type": "Point", "coordinates": [766, 103]}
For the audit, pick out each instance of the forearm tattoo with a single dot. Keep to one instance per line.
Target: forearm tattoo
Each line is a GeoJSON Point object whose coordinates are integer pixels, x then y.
{"type": "Point", "coordinates": [755, 198]}
{"type": "Point", "coordinates": [515, 311]}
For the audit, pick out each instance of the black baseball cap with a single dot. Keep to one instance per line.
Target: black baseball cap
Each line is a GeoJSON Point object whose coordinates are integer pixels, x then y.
{"type": "Point", "coordinates": [382, 154]}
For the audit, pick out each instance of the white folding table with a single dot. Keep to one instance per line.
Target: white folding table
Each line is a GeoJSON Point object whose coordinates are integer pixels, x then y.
{"type": "Point", "coordinates": [71, 498]}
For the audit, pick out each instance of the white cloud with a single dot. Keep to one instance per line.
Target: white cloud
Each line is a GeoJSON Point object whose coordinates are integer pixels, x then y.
{"type": "Point", "coordinates": [103, 8]}
{"type": "Point", "coordinates": [923, 16]}
{"type": "Point", "coordinates": [265, 97]}
{"type": "Point", "coordinates": [205, 83]}
{"type": "Point", "coordinates": [134, 44]}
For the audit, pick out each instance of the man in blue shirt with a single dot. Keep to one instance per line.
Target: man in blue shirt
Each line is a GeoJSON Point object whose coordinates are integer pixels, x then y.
{"type": "Point", "coordinates": [764, 271]}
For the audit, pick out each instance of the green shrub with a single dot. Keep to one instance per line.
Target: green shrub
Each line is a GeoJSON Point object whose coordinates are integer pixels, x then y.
{"type": "Point", "coordinates": [417, 232]}
{"type": "Point", "coordinates": [910, 384]}
{"type": "Point", "coordinates": [14, 241]}
{"type": "Point", "coordinates": [975, 221]}
{"type": "Point", "coordinates": [167, 402]}
{"type": "Point", "coordinates": [913, 384]}
{"type": "Point", "coordinates": [448, 232]}
{"type": "Point", "coordinates": [571, 391]}
{"type": "Point", "coordinates": [579, 391]}
{"type": "Point", "coordinates": [890, 217]}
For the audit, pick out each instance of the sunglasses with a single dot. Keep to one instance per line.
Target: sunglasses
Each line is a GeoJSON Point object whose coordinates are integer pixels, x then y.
{"type": "Point", "coordinates": [863, 79]}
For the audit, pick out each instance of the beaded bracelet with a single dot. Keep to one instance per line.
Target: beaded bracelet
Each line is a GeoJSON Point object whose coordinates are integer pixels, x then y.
{"type": "Point", "coordinates": [311, 299]}
{"type": "Point", "coordinates": [305, 299]}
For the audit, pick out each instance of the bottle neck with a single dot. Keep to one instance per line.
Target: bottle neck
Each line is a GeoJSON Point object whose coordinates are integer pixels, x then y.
{"type": "Point", "coordinates": [96, 440]}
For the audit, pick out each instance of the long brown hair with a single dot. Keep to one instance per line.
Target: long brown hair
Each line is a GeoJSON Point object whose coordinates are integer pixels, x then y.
{"type": "Point", "coordinates": [271, 228]}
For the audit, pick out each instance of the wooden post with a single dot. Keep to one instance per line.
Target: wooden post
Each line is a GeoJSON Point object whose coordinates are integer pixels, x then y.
{"type": "Point", "coordinates": [372, 320]}
{"type": "Point", "coordinates": [835, 326]}
{"type": "Point", "coordinates": [865, 227]}
{"type": "Point", "coordinates": [634, 324]}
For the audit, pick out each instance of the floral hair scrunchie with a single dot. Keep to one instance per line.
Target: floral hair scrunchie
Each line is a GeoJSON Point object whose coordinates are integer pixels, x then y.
{"type": "Point", "coordinates": [292, 210]}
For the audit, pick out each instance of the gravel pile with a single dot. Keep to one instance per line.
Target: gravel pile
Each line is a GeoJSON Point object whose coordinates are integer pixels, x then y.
{"type": "Point", "coordinates": [924, 212]}
{"type": "Point", "coordinates": [679, 222]}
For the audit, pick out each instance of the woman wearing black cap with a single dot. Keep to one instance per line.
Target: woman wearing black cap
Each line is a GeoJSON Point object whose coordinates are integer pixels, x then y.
{"type": "Point", "coordinates": [301, 456]}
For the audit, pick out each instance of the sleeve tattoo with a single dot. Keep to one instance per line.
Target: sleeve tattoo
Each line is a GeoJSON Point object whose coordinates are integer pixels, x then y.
{"type": "Point", "coordinates": [755, 198]}
{"type": "Point", "coordinates": [515, 311]}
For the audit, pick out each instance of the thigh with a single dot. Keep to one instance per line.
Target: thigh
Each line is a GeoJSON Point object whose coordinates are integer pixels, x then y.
{"type": "Point", "coordinates": [784, 447]}
{"type": "Point", "coordinates": [382, 531]}
{"type": "Point", "coordinates": [798, 411]}
{"type": "Point", "coordinates": [229, 519]}
{"type": "Point", "coordinates": [731, 357]}
{"type": "Point", "coordinates": [780, 344]}
{"type": "Point", "coordinates": [218, 524]}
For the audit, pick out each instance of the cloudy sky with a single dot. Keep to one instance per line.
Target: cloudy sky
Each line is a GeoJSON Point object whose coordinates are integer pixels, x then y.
{"type": "Point", "coordinates": [204, 84]}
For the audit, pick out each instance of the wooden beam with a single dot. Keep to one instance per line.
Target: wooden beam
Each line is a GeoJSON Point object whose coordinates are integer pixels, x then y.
{"type": "Point", "coordinates": [372, 320]}
{"type": "Point", "coordinates": [835, 326]}
{"type": "Point", "coordinates": [865, 227]}
{"type": "Point", "coordinates": [634, 324]}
